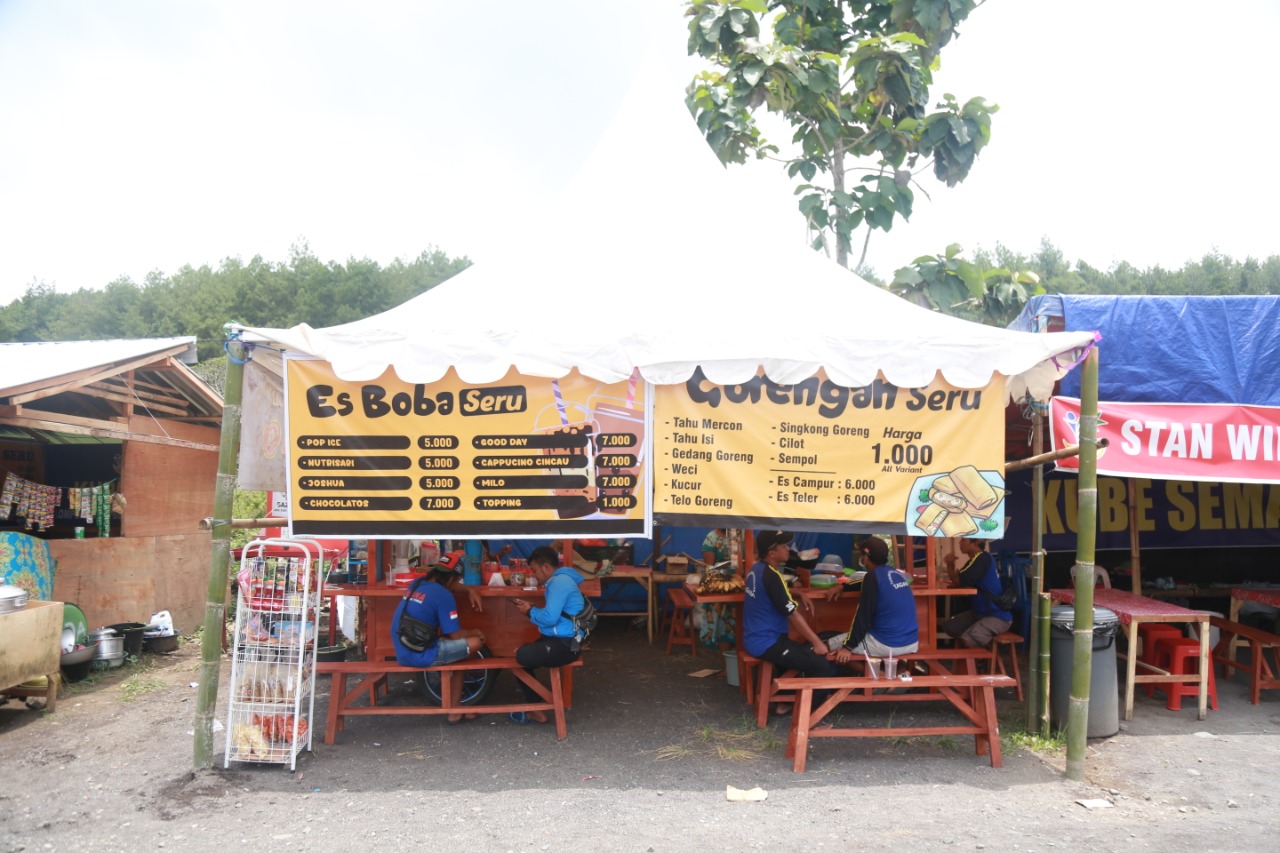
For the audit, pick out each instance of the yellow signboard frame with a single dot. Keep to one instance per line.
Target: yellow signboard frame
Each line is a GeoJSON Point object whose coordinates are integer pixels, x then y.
{"type": "Point", "coordinates": [818, 456]}
{"type": "Point", "coordinates": [524, 456]}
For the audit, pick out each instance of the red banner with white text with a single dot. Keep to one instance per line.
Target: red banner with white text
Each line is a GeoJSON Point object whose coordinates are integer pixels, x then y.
{"type": "Point", "coordinates": [1223, 443]}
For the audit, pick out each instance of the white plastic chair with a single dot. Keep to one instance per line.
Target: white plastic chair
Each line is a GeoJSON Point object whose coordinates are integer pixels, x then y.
{"type": "Point", "coordinates": [1099, 574]}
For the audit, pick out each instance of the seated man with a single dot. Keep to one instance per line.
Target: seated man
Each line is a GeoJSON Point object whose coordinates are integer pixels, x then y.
{"type": "Point", "coordinates": [885, 623]}
{"type": "Point", "coordinates": [769, 612]}
{"type": "Point", "coordinates": [979, 625]}
{"type": "Point", "coordinates": [555, 645]}
{"type": "Point", "coordinates": [425, 629]}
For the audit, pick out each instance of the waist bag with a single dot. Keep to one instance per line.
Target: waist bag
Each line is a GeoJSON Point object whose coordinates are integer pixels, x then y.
{"type": "Point", "coordinates": [584, 622]}
{"type": "Point", "coordinates": [416, 635]}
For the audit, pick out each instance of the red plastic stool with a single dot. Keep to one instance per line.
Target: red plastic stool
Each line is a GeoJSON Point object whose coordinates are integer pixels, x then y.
{"type": "Point", "coordinates": [1180, 652]}
{"type": "Point", "coordinates": [1151, 634]}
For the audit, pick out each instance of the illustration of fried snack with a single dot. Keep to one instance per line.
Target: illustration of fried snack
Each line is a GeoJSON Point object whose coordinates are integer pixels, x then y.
{"type": "Point", "coordinates": [974, 487]}
{"type": "Point", "coordinates": [944, 493]}
{"type": "Point", "coordinates": [930, 520]}
{"type": "Point", "coordinates": [958, 524]}
{"type": "Point", "coordinates": [981, 513]}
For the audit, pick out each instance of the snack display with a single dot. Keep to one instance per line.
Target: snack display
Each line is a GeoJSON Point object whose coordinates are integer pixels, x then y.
{"type": "Point", "coordinates": [273, 664]}
{"type": "Point", "coordinates": [960, 502]}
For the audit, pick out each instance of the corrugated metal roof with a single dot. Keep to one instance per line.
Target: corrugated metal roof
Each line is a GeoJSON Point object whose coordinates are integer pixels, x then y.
{"type": "Point", "coordinates": [26, 363]}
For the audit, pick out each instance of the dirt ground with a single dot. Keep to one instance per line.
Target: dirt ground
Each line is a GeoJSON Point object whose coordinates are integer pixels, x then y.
{"type": "Point", "coordinates": [645, 767]}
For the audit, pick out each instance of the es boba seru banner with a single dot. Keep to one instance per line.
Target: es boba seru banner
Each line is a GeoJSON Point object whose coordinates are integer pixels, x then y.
{"type": "Point", "coordinates": [916, 461]}
{"type": "Point", "coordinates": [524, 456]}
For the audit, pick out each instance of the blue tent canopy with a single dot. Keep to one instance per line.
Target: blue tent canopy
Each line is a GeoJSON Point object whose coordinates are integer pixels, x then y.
{"type": "Point", "coordinates": [1171, 349]}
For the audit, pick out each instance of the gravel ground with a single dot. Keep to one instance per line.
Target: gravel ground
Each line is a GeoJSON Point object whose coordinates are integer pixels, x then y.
{"type": "Point", "coordinates": [649, 755]}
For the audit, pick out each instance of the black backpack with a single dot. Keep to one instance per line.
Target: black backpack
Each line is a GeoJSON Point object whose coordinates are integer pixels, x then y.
{"type": "Point", "coordinates": [584, 622]}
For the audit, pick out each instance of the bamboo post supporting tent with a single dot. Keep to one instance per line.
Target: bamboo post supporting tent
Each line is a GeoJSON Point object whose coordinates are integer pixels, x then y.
{"type": "Point", "coordinates": [1082, 660]}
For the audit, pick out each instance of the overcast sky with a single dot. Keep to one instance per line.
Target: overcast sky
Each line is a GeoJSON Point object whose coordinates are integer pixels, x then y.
{"type": "Point", "coordinates": [142, 136]}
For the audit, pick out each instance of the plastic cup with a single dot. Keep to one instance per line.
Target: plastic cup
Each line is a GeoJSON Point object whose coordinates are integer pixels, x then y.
{"type": "Point", "coordinates": [873, 667]}
{"type": "Point", "coordinates": [890, 667]}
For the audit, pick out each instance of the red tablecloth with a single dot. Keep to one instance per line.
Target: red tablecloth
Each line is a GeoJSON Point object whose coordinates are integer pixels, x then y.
{"type": "Point", "coordinates": [1126, 605]}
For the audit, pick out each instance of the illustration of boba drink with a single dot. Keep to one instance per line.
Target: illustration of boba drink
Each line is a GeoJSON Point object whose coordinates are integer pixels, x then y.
{"type": "Point", "coordinates": [619, 457]}
{"type": "Point", "coordinates": [575, 488]}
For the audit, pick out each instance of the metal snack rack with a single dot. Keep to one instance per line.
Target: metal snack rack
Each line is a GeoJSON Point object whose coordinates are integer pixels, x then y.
{"type": "Point", "coordinates": [272, 693]}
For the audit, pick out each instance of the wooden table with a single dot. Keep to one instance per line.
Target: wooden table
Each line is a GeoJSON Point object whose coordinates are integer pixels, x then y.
{"type": "Point", "coordinates": [1134, 610]}
{"type": "Point", "coordinates": [642, 576]}
{"type": "Point", "coordinates": [1241, 594]}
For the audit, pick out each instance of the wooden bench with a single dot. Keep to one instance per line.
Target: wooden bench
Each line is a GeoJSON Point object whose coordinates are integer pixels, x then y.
{"type": "Point", "coordinates": [974, 696]}
{"type": "Point", "coordinates": [769, 692]}
{"type": "Point", "coordinates": [557, 698]}
{"type": "Point", "coordinates": [1261, 671]}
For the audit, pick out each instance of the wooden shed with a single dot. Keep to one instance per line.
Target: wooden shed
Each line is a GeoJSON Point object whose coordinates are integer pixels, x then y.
{"type": "Point", "coordinates": [128, 418]}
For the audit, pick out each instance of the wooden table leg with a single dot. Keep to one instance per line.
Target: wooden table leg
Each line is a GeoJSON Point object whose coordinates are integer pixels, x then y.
{"type": "Point", "coordinates": [1131, 666]}
{"type": "Point", "coordinates": [800, 729]}
{"type": "Point", "coordinates": [1204, 668]}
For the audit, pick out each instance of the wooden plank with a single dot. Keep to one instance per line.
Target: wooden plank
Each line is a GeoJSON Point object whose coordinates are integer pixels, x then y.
{"type": "Point", "coordinates": [39, 390]}
{"type": "Point", "coordinates": [102, 432]}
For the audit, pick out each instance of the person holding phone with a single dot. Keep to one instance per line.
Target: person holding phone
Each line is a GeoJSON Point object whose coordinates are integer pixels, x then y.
{"type": "Point", "coordinates": [555, 627]}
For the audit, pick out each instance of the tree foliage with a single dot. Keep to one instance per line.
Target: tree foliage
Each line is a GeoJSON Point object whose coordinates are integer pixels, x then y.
{"type": "Point", "coordinates": [198, 301]}
{"type": "Point", "coordinates": [993, 286]}
{"type": "Point", "coordinates": [974, 290]}
{"type": "Point", "coordinates": [852, 79]}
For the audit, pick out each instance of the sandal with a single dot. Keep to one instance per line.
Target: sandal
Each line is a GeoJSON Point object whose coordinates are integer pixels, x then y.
{"type": "Point", "coordinates": [783, 709]}
{"type": "Point", "coordinates": [520, 718]}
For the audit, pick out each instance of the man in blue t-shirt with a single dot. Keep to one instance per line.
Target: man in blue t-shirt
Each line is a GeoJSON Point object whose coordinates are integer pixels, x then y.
{"type": "Point", "coordinates": [769, 612]}
{"type": "Point", "coordinates": [430, 601]}
{"type": "Point", "coordinates": [979, 625]}
{"type": "Point", "coordinates": [885, 623]}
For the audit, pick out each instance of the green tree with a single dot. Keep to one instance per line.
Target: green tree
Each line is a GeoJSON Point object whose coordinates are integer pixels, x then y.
{"type": "Point", "coordinates": [970, 289]}
{"type": "Point", "coordinates": [852, 79]}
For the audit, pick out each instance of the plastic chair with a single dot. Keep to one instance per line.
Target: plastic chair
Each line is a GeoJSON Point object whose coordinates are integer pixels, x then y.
{"type": "Point", "coordinates": [1013, 570]}
{"type": "Point", "coordinates": [1099, 574]}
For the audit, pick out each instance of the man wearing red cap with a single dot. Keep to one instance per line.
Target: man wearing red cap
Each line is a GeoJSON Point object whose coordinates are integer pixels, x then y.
{"type": "Point", "coordinates": [425, 629]}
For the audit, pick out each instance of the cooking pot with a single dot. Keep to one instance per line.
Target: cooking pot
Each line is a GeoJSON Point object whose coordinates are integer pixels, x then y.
{"type": "Point", "coordinates": [110, 645]}
{"type": "Point", "coordinates": [12, 598]}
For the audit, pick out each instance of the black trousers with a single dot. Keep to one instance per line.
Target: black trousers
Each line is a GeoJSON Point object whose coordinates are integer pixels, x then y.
{"type": "Point", "coordinates": [787, 653]}
{"type": "Point", "coordinates": [544, 651]}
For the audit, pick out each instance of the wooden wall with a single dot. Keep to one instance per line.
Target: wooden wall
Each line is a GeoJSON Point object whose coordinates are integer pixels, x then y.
{"type": "Point", "coordinates": [128, 579]}
{"type": "Point", "coordinates": [162, 560]}
{"type": "Point", "coordinates": [168, 489]}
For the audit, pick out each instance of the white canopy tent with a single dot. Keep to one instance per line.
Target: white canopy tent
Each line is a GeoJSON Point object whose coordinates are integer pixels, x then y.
{"type": "Point", "coordinates": [656, 258]}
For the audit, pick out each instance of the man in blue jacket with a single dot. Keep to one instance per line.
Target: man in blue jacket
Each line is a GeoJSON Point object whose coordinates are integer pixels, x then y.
{"type": "Point", "coordinates": [554, 646]}
{"type": "Point", "coordinates": [979, 625]}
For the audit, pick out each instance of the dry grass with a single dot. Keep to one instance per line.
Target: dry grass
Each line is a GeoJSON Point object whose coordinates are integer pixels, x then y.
{"type": "Point", "coordinates": [741, 741]}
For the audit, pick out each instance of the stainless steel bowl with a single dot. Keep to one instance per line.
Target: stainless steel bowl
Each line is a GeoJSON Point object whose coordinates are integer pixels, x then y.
{"type": "Point", "coordinates": [80, 655]}
{"type": "Point", "coordinates": [12, 598]}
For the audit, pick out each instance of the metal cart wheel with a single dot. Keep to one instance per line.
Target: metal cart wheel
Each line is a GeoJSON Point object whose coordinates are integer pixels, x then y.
{"type": "Point", "coordinates": [476, 684]}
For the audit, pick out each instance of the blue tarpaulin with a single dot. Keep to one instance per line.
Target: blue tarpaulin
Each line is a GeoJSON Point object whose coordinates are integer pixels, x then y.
{"type": "Point", "coordinates": [1172, 349]}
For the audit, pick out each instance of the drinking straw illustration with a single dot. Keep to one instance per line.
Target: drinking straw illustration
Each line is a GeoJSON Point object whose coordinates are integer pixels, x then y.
{"type": "Point", "coordinates": [555, 390]}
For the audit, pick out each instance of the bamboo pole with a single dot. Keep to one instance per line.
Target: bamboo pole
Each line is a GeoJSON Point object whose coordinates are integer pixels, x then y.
{"type": "Point", "coordinates": [1053, 455]}
{"type": "Point", "coordinates": [1135, 557]}
{"type": "Point", "coordinates": [1044, 611]}
{"type": "Point", "coordinates": [1037, 675]}
{"type": "Point", "coordinates": [1086, 538]}
{"type": "Point", "coordinates": [216, 601]}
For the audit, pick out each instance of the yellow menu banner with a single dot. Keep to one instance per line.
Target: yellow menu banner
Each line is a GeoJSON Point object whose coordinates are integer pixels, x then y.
{"type": "Point", "coordinates": [524, 456]}
{"type": "Point", "coordinates": [879, 458]}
